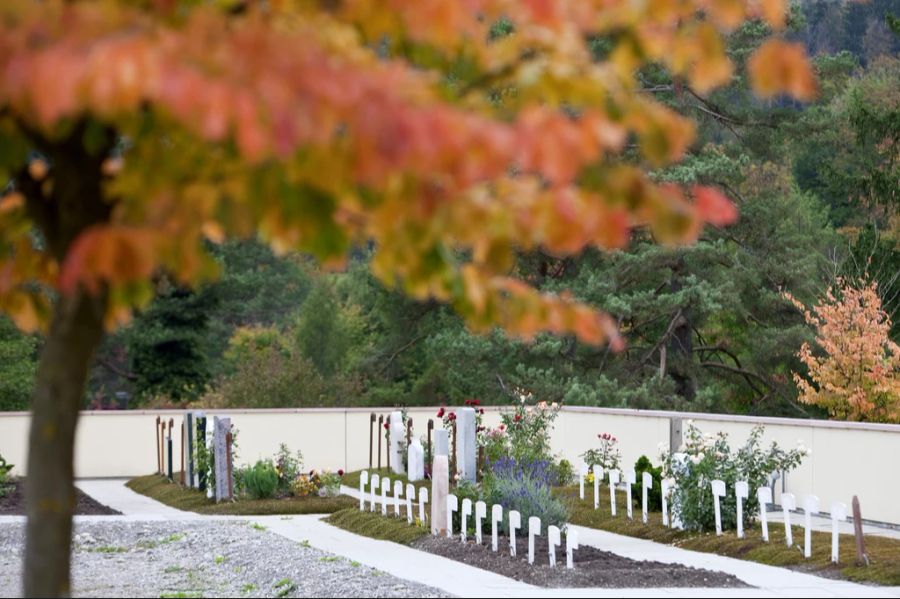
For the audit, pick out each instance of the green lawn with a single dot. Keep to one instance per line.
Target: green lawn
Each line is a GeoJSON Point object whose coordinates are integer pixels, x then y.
{"type": "Point", "coordinates": [376, 526]}
{"type": "Point", "coordinates": [884, 553]}
{"type": "Point", "coordinates": [351, 479]}
{"type": "Point", "coordinates": [174, 495]}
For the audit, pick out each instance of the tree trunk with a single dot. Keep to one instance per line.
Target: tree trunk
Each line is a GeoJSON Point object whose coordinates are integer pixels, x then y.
{"type": "Point", "coordinates": [75, 333]}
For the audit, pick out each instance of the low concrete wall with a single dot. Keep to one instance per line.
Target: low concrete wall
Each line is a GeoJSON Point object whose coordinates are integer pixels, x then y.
{"type": "Point", "coordinates": [847, 458]}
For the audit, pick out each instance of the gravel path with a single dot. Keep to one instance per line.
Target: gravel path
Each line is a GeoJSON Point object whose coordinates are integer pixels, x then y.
{"type": "Point", "coordinates": [202, 559]}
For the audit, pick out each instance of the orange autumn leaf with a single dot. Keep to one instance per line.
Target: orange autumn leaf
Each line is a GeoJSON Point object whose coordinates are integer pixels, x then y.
{"type": "Point", "coordinates": [782, 67]}
{"type": "Point", "coordinates": [713, 207]}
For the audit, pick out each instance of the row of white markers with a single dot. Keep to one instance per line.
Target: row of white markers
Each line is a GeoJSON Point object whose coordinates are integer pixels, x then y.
{"type": "Point", "coordinates": [741, 490]}
{"type": "Point", "coordinates": [480, 512]}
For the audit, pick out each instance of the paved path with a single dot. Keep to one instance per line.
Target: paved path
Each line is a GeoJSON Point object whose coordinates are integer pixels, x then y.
{"type": "Point", "coordinates": [466, 581]}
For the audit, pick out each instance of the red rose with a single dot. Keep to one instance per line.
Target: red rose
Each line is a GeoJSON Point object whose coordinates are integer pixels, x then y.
{"type": "Point", "coordinates": [385, 426]}
{"type": "Point", "coordinates": [467, 402]}
{"type": "Point", "coordinates": [481, 411]}
{"type": "Point", "coordinates": [340, 473]}
{"type": "Point", "coordinates": [452, 416]}
{"type": "Point", "coordinates": [502, 427]}
{"type": "Point", "coordinates": [517, 418]}
{"type": "Point", "coordinates": [476, 402]}
{"type": "Point", "coordinates": [441, 413]}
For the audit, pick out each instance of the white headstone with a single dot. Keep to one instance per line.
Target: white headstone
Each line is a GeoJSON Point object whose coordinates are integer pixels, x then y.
{"type": "Point", "coordinates": [598, 476]}
{"type": "Point", "coordinates": [788, 503]}
{"type": "Point", "coordinates": [398, 493]}
{"type": "Point", "coordinates": [363, 481]}
{"type": "Point", "coordinates": [742, 492]}
{"type": "Point", "coordinates": [480, 514]}
{"type": "Point", "coordinates": [810, 507]}
{"type": "Point", "coordinates": [496, 519]}
{"type": "Point", "coordinates": [646, 485]}
{"type": "Point", "coordinates": [385, 487]}
{"type": "Point", "coordinates": [718, 491]}
{"type": "Point", "coordinates": [440, 488]}
{"type": "Point", "coordinates": [442, 442]}
{"type": "Point", "coordinates": [838, 514]}
{"type": "Point", "coordinates": [553, 541]}
{"type": "Point", "coordinates": [373, 488]}
{"type": "Point", "coordinates": [613, 481]}
{"type": "Point", "coordinates": [397, 435]}
{"type": "Point", "coordinates": [515, 523]}
{"type": "Point", "coordinates": [410, 495]}
{"type": "Point", "coordinates": [630, 479]}
{"type": "Point", "coordinates": [582, 473]}
{"type": "Point", "coordinates": [452, 506]}
{"type": "Point", "coordinates": [423, 499]}
{"type": "Point", "coordinates": [571, 546]}
{"type": "Point", "coordinates": [466, 447]}
{"type": "Point", "coordinates": [416, 461]}
{"type": "Point", "coordinates": [665, 486]}
{"type": "Point", "coordinates": [764, 497]}
{"type": "Point", "coordinates": [466, 512]}
{"type": "Point", "coordinates": [534, 530]}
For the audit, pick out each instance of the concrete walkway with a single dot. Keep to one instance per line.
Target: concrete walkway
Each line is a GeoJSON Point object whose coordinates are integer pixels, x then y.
{"type": "Point", "coordinates": [466, 581]}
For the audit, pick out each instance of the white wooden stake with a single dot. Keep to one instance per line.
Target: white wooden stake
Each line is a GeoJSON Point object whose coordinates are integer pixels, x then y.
{"type": "Point", "coordinates": [534, 530]}
{"type": "Point", "coordinates": [410, 495]}
{"type": "Point", "coordinates": [810, 507]}
{"type": "Point", "coordinates": [764, 497]}
{"type": "Point", "coordinates": [515, 522]}
{"type": "Point", "coordinates": [742, 492]}
{"type": "Point", "coordinates": [646, 484]}
{"type": "Point", "coordinates": [452, 506]}
{"type": "Point", "coordinates": [598, 476]}
{"type": "Point", "coordinates": [385, 487]}
{"type": "Point", "coordinates": [496, 519]}
{"type": "Point", "coordinates": [665, 488]}
{"type": "Point", "coordinates": [466, 512]}
{"type": "Point", "coordinates": [398, 493]}
{"type": "Point", "coordinates": [630, 479]}
{"type": "Point", "coordinates": [613, 481]}
{"type": "Point", "coordinates": [571, 546]}
{"type": "Point", "coordinates": [718, 491]}
{"type": "Point", "coordinates": [480, 514]}
{"type": "Point", "coordinates": [838, 514]}
{"type": "Point", "coordinates": [553, 541]}
{"type": "Point", "coordinates": [423, 499]}
{"type": "Point", "coordinates": [373, 488]}
{"type": "Point", "coordinates": [582, 472]}
{"type": "Point", "coordinates": [363, 481]}
{"type": "Point", "coordinates": [788, 503]}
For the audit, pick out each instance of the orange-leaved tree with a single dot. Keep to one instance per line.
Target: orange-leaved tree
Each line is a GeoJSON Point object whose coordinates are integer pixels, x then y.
{"type": "Point", "coordinates": [447, 134]}
{"type": "Point", "coordinates": [858, 377]}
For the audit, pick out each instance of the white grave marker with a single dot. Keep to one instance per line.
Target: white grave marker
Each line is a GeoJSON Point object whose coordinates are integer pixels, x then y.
{"type": "Point", "coordinates": [838, 514]}
{"type": "Point", "coordinates": [440, 488]}
{"type": "Point", "coordinates": [553, 541]}
{"type": "Point", "coordinates": [665, 487]}
{"type": "Point", "coordinates": [496, 518]}
{"type": "Point", "coordinates": [423, 499]}
{"type": "Point", "coordinates": [534, 530]}
{"type": "Point", "coordinates": [452, 506]}
{"type": "Point", "coordinates": [376, 484]}
{"type": "Point", "coordinates": [630, 479]}
{"type": "Point", "coordinates": [363, 481]}
{"type": "Point", "coordinates": [810, 507]}
{"type": "Point", "coordinates": [466, 512]}
{"type": "Point", "coordinates": [613, 481]}
{"type": "Point", "coordinates": [647, 484]}
{"type": "Point", "coordinates": [742, 492]}
{"type": "Point", "coordinates": [764, 497]}
{"type": "Point", "coordinates": [397, 435]}
{"type": "Point", "coordinates": [515, 523]}
{"type": "Point", "coordinates": [571, 546]}
{"type": "Point", "coordinates": [598, 476]}
{"type": "Point", "coordinates": [582, 473]}
{"type": "Point", "coordinates": [398, 493]}
{"type": "Point", "coordinates": [385, 487]}
{"type": "Point", "coordinates": [480, 514]}
{"type": "Point", "coordinates": [410, 495]}
{"type": "Point", "coordinates": [788, 503]}
{"type": "Point", "coordinates": [466, 445]}
{"type": "Point", "coordinates": [416, 460]}
{"type": "Point", "coordinates": [718, 491]}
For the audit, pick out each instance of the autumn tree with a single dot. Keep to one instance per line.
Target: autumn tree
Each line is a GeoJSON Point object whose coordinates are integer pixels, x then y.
{"type": "Point", "coordinates": [133, 132]}
{"type": "Point", "coordinates": [858, 377]}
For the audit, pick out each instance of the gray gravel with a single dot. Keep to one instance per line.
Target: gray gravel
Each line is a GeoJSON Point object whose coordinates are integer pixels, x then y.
{"type": "Point", "coordinates": [202, 559]}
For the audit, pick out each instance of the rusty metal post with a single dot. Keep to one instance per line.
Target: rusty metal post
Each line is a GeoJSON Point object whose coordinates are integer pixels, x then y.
{"type": "Point", "coordinates": [862, 559]}
{"type": "Point", "coordinates": [380, 435]}
{"type": "Point", "coordinates": [371, 437]}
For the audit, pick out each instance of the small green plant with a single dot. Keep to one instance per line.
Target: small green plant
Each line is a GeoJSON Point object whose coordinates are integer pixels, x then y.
{"type": "Point", "coordinates": [565, 473]}
{"type": "Point", "coordinates": [607, 456]}
{"type": "Point", "coordinates": [654, 493]}
{"type": "Point", "coordinates": [248, 588]}
{"type": "Point", "coordinates": [258, 526]}
{"type": "Point", "coordinates": [110, 549]}
{"type": "Point", "coordinates": [5, 469]}
{"type": "Point", "coordinates": [329, 559]}
{"type": "Point", "coordinates": [220, 559]}
{"type": "Point", "coordinates": [305, 544]}
{"type": "Point", "coordinates": [355, 564]}
{"type": "Point", "coordinates": [174, 538]}
{"type": "Point", "coordinates": [261, 480]}
{"type": "Point", "coordinates": [181, 595]}
{"type": "Point", "coordinates": [288, 466]}
{"type": "Point", "coordinates": [173, 569]}
{"type": "Point", "coordinates": [284, 587]}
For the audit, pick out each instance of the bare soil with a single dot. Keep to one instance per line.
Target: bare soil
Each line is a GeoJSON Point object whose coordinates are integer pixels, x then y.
{"type": "Point", "coordinates": [13, 503]}
{"type": "Point", "coordinates": [593, 568]}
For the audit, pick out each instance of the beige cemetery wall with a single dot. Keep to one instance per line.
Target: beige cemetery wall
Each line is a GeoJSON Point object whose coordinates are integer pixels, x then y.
{"type": "Point", "coordinates": [846, 458]}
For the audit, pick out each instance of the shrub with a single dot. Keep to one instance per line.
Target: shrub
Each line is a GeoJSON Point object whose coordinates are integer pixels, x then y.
{"type": "Point", "coordinates": [288, 467]}
{"type": "Point", "coordinates": [607, 456]}
{"type": "Point", "coordinates": [529, 496]}
{"type": "Point", "coordinates": [329, 484]}
{"type": "Point", "coordinates": [5, 469]}
{"type": "Point", "coordinates": [528, 429]}
{"type": "Point", "coordinates": [654, 494]}
{"type": "Point", "coordinates": [708, 457]}
{"type": "Point", "coordinates": [565, 473]}
{"type": "Point", "coordinates": [260, 481]}
{"type": "Point", "coordinates": [541, 471]}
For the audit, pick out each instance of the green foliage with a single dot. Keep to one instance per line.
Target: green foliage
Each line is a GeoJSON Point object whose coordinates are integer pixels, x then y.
{"type": "Point", "coordinates": [608, 455]}
{"type": "Point", "coordinates": [708, 457]}
{"type": "Point", "coordinates": [654, 494]}
{"type": "Point", "coordinates": [320, 333]}
{"type": "Point", "coordinates": [528, 430]}
{"type": "Point", "coordinates": [565, 473]}
{"type": "Point", "coordinates": [18, 365]}
{"type": "Point", "coordinates": [288, 466]}
{"type": "Point", "coordinates": [529, 497]}
{"type": "Point", "coordinates": [261, 480]}
{"type": "Point", "coordinates": [5, 469]}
